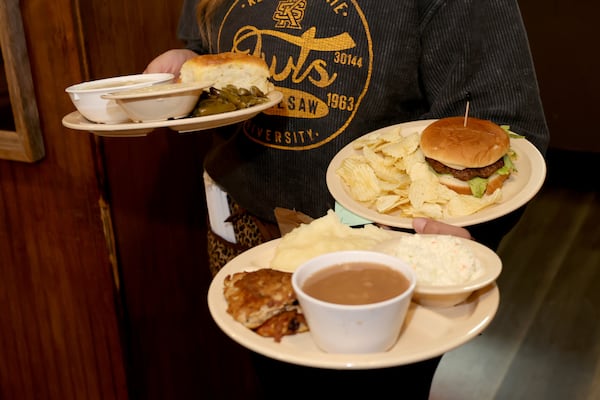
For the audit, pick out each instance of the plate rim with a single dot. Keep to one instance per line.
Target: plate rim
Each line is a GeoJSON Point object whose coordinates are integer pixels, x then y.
{"type": "Point", "coordinates": [469, 319]}
{"type": "Point", "coordinates": [526, 152]}
{"type": "Point", "coordinates": [74, 120]}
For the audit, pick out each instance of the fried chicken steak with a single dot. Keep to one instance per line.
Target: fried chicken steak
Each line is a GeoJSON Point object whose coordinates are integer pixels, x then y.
{"type": "Point", "coordinates": [264, 301]}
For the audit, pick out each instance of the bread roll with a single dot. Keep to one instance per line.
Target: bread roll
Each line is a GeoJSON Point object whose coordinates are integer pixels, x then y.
{"type": "Point", "coordinates": [222, 69]}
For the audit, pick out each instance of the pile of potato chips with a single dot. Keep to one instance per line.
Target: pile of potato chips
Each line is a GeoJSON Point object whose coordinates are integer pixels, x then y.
{"type": "Point", "coordinates": [324, 235]}
{"type": "Point", "coordinates": [389, 174]}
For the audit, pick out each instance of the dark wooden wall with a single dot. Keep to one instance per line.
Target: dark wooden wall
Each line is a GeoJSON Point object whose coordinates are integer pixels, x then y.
{"type": "Point", "coordinates": [64, 330]}
{"type": "Point", "coordinates": [564, 47]}
{"type": "Point", "coordinates": [81, 318]}
{"type": "Point", "coordinates": [59, 325]}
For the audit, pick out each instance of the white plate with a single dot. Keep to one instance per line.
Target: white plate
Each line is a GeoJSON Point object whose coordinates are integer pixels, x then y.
{"type": "Point", "coordinates": [427, 332]}
{"type": "Point", "coordinates": [518, 189]}
{"type": "Point", "coordinates": [76, 121]}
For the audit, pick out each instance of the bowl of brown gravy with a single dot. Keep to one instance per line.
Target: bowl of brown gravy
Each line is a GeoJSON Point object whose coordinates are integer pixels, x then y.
{"type": "Point", "coordinates": [354, 301]}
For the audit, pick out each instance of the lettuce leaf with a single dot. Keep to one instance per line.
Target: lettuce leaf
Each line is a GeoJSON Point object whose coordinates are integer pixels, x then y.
{"type": "Point", "coordinates": [510, 133]}
{"type": "Point", "coordinates": [508, 166]}
{"type": "Point", "coordinates": [478, 186]}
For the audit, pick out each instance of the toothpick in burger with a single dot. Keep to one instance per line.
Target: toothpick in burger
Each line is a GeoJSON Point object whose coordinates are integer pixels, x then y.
{"type": "Point", "coordinates": [469, 157]}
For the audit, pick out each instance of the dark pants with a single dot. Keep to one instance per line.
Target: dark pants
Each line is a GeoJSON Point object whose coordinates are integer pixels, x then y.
{"type": "Point", "coordinates": [279, 380]}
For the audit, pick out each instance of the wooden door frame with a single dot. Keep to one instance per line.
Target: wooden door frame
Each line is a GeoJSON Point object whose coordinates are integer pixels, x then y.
{"type": "Point", "coordinates": [25, 143]}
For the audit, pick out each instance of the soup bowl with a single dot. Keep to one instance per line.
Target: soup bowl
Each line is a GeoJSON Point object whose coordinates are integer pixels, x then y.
{"type": "Point", "coordinates": [159, 102]}
{"type": "Point", "coordinates": [87, 96]}
{"type": "Point", "coordinates": [354, 301]}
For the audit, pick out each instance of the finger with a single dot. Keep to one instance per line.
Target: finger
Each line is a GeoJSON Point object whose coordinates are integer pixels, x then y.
{"type": "Point", "coordinates": [426, 225]}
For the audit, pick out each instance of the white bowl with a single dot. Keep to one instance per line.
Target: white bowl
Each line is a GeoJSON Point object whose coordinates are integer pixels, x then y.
{"type": "Point", "coordinates": [158, 102]}
{"type": "Point", "coordinates": [354, 328]}
{"type": "Point", "coordinates": [87, 96]}
{"type": "Point", "coordinates": [453, 291]}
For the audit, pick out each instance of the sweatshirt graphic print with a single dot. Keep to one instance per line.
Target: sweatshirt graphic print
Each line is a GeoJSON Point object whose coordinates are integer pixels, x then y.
{"type": "Point", "coordinates": [320, 55]}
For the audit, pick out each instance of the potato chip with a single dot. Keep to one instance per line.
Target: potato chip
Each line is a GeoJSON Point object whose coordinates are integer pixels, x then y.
{"type": "Point", "coordinates": [384, 168]}
{"type": "Point", "coordinates": [420, 171]}
{"type": "Point", "coordinates": [466, 205]}
{"type": "Point", "coordinates": [402, 182]}
{"type": "Point", "coordinates": [364, 141]}
{"type": "Point", "coordinates": [403, 192]}
{"type": "Point", "coordinates": [389, 202]}
{"type": "Point", "coordinates": [401, 147]}
{"type": "Point", "coordinates": [391, 135]}
{"type": "Point", "coordinates": [429, 210]}
{"type": "Point", "coordinates": [360, 180]}
{"type": "Point", "coordinates": [394, 187]}
{"type": "Point", "coordinates": [400, 165]}
{"type": "Point", "coordinates": [445, 194]}
{"type": "Point", "coordinates": [323, 235]}
{"type": "Point", "coordinates": [423, 191]}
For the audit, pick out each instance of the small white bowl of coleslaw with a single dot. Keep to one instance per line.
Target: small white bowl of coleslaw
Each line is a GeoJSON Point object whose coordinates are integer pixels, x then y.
{"type": "Point", "coordinates": [449, 269]}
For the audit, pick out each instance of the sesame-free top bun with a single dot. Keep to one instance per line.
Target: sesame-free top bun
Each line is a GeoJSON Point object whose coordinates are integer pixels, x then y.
{"type": "Point", "coordinates": [222, 69]}
{"type": "Point", "coordinates": [477, 145]}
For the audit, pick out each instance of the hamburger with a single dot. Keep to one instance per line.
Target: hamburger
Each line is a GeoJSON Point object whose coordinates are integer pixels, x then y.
{"type": "Point", "coordinates": [243, 71]}
{"type": "Point", "coordinates": [470, 159]}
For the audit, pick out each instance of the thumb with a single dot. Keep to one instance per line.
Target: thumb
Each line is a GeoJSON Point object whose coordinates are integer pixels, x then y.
{"type": "Point", "coordinates": [427, 225]}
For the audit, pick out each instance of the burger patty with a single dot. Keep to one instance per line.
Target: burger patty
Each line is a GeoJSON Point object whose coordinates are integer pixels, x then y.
{"type": "Point", "coordinates": [467, 173]}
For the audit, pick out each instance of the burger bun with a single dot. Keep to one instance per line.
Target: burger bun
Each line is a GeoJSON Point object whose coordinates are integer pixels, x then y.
{"type": "Point", "coordinates": [462, 187]}
{"type": "Point", "coordinates": [476, 145]}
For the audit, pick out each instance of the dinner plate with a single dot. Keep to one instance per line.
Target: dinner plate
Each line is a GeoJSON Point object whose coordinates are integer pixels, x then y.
{"type": "Point", "coordinates": [77, 121]}
{"type": "Point", "coordinates": [517, 190]}
{"type": "Point", "coordinates": [427, 333]}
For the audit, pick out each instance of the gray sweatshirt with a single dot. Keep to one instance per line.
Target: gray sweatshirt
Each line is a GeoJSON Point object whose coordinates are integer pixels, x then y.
{"type": "Point", "coordinates": [347, 68]}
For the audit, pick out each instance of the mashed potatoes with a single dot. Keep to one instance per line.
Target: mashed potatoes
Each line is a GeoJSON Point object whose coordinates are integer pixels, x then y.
{"type": "Point", "coordinates": [437, 259]}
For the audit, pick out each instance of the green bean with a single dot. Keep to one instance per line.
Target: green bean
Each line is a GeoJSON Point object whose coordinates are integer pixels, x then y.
{"type": "Point", "coordinates": [228, 98]}
{"type": "Point", "coordinates": [212, 106]}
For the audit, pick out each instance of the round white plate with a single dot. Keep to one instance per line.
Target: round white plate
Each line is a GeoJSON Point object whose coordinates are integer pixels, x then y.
{"type": "Point", "coordinates": [518, 189]}
{"type": "Point", "coordinates": [427, 332]}
{"type": "Point", "coordinates": [77, 121]}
